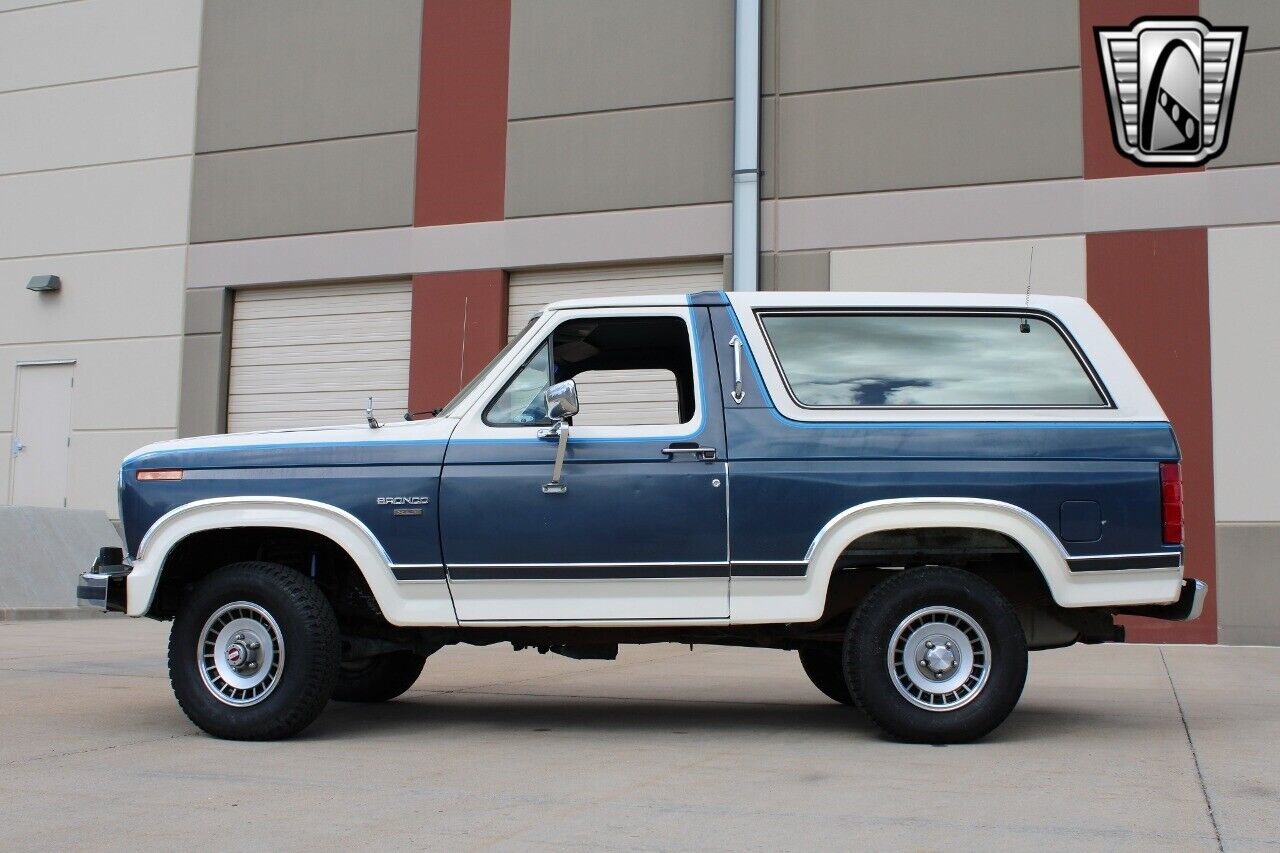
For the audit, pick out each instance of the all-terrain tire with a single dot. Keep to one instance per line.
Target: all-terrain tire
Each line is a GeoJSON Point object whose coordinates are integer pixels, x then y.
{"type": "Point", "coordinates": [379, 678]}
{"type": "Point", "coordinates": [826, 670]}
{"type": "Point", "coordinates": [925, 631]}
{"type": "Point", "coordinates": [297, 648]}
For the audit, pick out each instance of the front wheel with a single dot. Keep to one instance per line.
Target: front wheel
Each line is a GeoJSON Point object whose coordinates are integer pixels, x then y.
{"type": "Point", "coordinates": [936, 655]}
{"type": "Point", "coordinates": [254, 651]}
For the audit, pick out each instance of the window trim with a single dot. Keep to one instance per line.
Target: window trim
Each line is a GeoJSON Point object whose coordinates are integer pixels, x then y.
{"type": "Point", "coordinates": [695, 422]}
{"type": "Point", "coordinates": [1108, 402]}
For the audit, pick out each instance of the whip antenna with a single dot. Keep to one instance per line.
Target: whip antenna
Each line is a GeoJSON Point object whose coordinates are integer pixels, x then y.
{"type": "Point", "coordinates": [1024, 326]}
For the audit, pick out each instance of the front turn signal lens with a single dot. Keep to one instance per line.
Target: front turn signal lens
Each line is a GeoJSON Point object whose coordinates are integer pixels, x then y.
{"type": "Point", "coordinates": [160, 474]}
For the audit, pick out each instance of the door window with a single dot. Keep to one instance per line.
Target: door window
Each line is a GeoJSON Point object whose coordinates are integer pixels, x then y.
{"type": "Point", "coordinates": [630, 371]}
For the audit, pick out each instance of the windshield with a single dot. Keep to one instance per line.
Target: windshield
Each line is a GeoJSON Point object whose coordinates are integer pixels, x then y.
{"type": "Point", "coordinates": [450, 409]}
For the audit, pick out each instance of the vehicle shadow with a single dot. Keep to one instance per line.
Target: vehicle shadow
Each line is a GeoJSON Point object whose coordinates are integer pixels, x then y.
{"type": "Point", "coordinates": [464, 713]}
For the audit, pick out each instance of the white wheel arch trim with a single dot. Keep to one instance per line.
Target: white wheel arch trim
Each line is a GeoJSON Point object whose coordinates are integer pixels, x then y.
{"type": "Point", "coordinates": [402, 604]}
{"type": "Point", "coordinates": [1078, 589]}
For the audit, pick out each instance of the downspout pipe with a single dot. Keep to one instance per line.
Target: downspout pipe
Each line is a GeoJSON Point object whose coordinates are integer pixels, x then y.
{"type": "Point", "coordinates": [746, 146]}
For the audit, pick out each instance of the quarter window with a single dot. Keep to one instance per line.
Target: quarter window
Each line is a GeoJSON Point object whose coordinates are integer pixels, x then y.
{"type": "Point", "coordinates": [831, 360]}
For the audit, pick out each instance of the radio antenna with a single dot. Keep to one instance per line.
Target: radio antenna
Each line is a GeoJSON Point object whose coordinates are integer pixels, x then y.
{"type": "Point", "coordinates": [1024, 326]}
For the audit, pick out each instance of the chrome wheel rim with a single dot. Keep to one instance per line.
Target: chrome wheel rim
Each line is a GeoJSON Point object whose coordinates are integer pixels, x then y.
{"type": "Point", "coordinates": [240, 654]}
{"type": "Point", "coordinates": [939, 658]}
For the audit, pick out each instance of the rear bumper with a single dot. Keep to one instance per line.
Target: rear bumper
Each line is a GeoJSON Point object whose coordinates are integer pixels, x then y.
{"type": "Point", "coordinates": [103, 586]}
{"type": "Point", "coordinates": [1189, 605]}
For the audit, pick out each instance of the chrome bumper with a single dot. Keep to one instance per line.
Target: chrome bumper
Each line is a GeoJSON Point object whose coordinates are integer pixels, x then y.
{"type": "Point", "coordinates": [1188, 606]}
{"type": "Point", "coordinates": [103, 586]}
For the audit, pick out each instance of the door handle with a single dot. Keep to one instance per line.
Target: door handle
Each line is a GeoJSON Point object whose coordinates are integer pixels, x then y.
{"type": "Point", "coordinates": [706, 454]}
{"type": "Point", "coordinates": [16, 447]}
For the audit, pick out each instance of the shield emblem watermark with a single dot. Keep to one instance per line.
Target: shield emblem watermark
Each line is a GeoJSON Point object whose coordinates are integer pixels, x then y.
{"type": "Point", "coordinates": [1171, 84]}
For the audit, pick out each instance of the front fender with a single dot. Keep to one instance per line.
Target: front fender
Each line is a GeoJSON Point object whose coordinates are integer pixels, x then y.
{"type": "Point", "coordinates": [419, 602]}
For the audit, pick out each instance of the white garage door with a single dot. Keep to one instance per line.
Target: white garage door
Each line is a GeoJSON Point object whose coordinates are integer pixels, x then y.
{"type": "Point", "coordinates": [624, 397]}
{"type": "Point", "coordinates": [312, 355]}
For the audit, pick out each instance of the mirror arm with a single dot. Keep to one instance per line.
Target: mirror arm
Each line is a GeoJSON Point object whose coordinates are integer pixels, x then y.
{"type": "Point", "coordinates": [556, 487]}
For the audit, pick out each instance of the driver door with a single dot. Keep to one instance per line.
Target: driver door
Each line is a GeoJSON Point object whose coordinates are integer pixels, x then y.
{"type": "Point", "coordinates": [640, 530]}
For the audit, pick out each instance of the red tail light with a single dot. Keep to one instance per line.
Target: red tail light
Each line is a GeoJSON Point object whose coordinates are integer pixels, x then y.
{"type": "Point", "coordinates": [1171, 502]}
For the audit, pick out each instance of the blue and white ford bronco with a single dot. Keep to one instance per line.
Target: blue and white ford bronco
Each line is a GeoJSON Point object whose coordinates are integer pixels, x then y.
{"type": "Point", "coordinates": [909, 490]}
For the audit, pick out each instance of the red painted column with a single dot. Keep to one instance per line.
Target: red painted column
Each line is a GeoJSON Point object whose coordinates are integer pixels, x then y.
{"type": "Point", "coordinates": [459, 319]}
{"type": "Point", "coordinates": [1152, 288]}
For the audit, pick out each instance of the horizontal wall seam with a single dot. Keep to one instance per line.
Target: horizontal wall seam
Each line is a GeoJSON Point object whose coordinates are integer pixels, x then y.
{"type": "Point", "coordinates": [352, 137]}
{"type": "Point", "coordinates": [80, 166]}
{"type": "Point", "coordinates": [141, 248]}
{"type": "Point", "coordinates": [153, 71]}
{"type": "Point", "coordinates": [892, 84]}
{"type": "Point", "coordinates": [69, 341]}
{"type": "Point", "coordinates": [612, 110]}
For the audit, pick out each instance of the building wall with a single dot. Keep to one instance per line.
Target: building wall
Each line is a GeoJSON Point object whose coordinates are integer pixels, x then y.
{"type": "Point", "coordinates": [97, 107]}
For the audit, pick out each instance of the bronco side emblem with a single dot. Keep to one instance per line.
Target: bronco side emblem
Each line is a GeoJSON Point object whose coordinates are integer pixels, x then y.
{"type": "Point", "coordinates": [1171, 84]}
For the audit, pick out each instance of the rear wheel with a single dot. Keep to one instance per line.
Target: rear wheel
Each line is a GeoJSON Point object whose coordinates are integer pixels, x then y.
{"type": "Point", "coordinates": [253, 653]}
{"type": "Point", "coordinates": [378, 678]}
{"type": "Point", "coordinates": [826, 670]}
{"type": "Point", "coordinates": [936, 655]}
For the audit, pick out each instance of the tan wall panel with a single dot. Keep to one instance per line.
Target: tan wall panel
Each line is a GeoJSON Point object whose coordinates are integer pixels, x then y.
{"type": "Point", "coordinates": [836, 44]}
{"type": "Point", "coordinates": [123, 206]}
{"type": "Point", "coordinates": [301, 189]}
{"type": "Point", "coordinates": [1262, 17]}
{"type": "Point", "coordinates": [571, 56]}
{"type": "Point", "coordinates": [796, 271]}
{"type": "Point", "coordinates": [1253, 136]}
{"type": "Point", "coordinates": [1019, 127]}
{"type": "Point", "coordinates": [302, 70]}
{"type": "Point", "coordinates": [90, 40]}
{"type": "Point", "coordinates": [1248, 584]}
{"type": "Point", "coordinates": [1245, 350]}
{"type": "Point", "coordinates": [609, 161]}
{"type": "Point", "coordinates": [987, 266]}
{"type": "Point", "coordinates": [107, 121]}
{"type": "Point", "coordinates": [104, 295]}
{"type": "Point", "coordinates": [95, 465]}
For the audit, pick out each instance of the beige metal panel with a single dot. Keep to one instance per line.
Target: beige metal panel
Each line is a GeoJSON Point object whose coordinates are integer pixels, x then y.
{"type": "Point", "coordinates": [528, 292]}
{"type": "Point", "coordinates": [94, 39]}
{"type": "Point", "coordinates": [303, 70]}
{"type": "Point", "coordinates": [1262, 19]}
{"type": "Point", "coordinates": [306, 188]}
{"type": "Point", "coordinates": [1245, 350]}
{"type": "Point", "coordinates": [571, 56]}
{"type": "Point", "coordinates": [13, 5]}
{"type": "Point", "coordinates": [203, 393]}
{"type": "Point", "coordinates": [95, 465]}
{"type": "Point", "coordinates": [617, 398]}
{"type": "Point", "coordinates": [1253, 138]}
{"type": "Point", "coordinates": [994, 129]}
{"type": "Point", "coordinates": [312, 355]}
{"type": "Point", "coordinates": [124, 206]}
{"type": "Point", "coordinates": [836, 44]}
{"type": "Point", "coordinates": [107, 121]}
{"type": "Point", "coordinates": [109, 374]}
{"type": "Point", "coordinates": [609, 161]}
{"type": "Point", "coordinates": [985, 266]}
{"type": "Point", "coordinates": [795, 271]}
{"type": "Point", "coordinates": [104, 295]}
{"type": "Point", "coordinates": [1248, 584]}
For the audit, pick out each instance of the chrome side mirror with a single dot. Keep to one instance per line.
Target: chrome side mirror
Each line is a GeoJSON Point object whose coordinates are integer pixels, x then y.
{"type": "Point", "coordinates": [562, 400]}
{"type": "Point", "coordinates": [562, 404]}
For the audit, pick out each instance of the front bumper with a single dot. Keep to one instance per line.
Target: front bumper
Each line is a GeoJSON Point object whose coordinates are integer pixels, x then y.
{"type": "Point", "coordinates": [103, 586]}
{"type": "Point", "coordinates": [1188, 606]}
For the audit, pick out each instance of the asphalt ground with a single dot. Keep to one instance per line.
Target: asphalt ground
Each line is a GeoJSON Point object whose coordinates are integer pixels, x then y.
{"type": "Point", "coordinates": [1113, 747]}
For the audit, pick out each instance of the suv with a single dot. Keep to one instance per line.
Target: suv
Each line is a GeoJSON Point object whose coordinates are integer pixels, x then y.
{"type": "Point", "coordinates": [908, 490]}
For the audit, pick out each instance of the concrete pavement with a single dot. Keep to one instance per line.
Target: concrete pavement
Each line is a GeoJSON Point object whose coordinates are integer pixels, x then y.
{"type": "Point", "coordinates": [1115, 747]}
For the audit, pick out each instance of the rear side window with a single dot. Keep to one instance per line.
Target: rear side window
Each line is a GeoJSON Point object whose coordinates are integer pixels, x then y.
{"type": "Point", "coordinates": [842, 360]}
